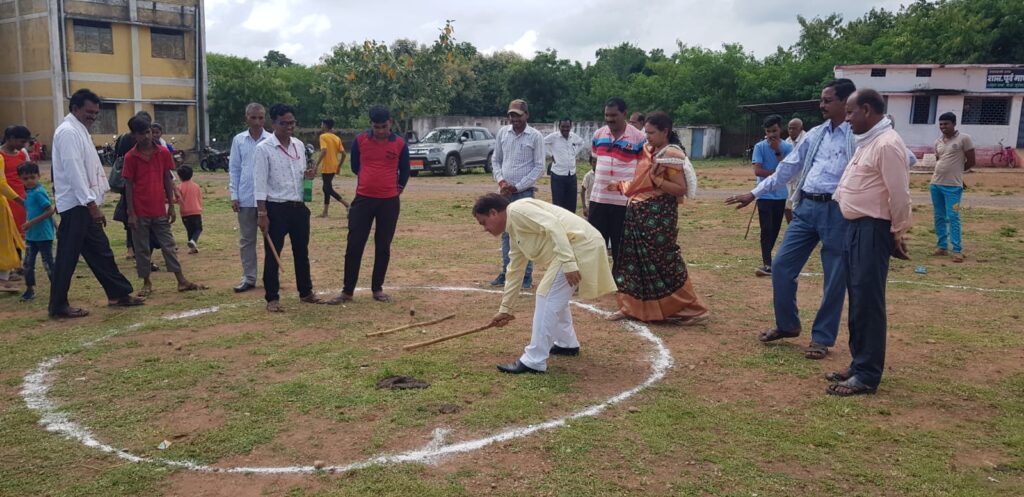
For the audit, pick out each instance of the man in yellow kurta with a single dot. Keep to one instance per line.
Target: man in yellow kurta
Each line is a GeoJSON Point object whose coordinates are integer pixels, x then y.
{"type": "Point", "coordinates": [574, 255]}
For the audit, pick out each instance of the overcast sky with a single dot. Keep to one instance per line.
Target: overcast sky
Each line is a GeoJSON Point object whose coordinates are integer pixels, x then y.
{"type": "Point", "coordinates": [306, 29]}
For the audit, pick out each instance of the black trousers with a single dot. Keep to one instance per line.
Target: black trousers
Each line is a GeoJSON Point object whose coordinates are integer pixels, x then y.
{"type": "Point", "coordinates": [291, 219]}
{"type": "Point", "coordinates": [563, 191]}
{"type": "Point", "coordinates": [361, 215]}
{"type": "Point", "coordinates": [193, 226]}
{"type": "Point", "coordinates": [609, 220]}
{"type": "Point", "coordinates": [78, 235]}
{"type": "Point", "coordinates": [770, 214]}
{"type": "Point", "coordinates": [869, 245]}
{"type": "Point", "coordinates": [328, 179]}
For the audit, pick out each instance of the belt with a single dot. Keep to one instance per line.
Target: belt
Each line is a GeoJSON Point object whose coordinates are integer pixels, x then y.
{"type": "Point", "coordinates": [817, 197]}
{"type": "Point", "coordinates": [286, 203]}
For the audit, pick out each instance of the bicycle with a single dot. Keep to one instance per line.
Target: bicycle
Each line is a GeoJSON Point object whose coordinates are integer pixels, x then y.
{"type": "Point", "coordinates": [1005, 156]}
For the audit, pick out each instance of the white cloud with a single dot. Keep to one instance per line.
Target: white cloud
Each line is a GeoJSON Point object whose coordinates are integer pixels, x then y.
{"type": "Point", "coordinates": [526, 45]}
{"type": "Point", "coordinates": [269, 16]}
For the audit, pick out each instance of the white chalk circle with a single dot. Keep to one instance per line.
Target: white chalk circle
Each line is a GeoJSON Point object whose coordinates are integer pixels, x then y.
{"type": "Point", "coordinates": [36, 386]}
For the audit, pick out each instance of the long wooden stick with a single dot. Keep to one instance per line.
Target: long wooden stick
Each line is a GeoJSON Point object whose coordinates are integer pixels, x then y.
{"type": "Point", "coordinates": [413, 325]}
{"type": "Point", "coordinates": [751, 220]}
{"type": "Point", "coordinates": [273, 250]}
{"type": "Point", "coordinates": [446, 337]}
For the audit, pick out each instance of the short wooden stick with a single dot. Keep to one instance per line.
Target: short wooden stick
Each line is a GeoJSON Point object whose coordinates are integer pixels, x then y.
{"type": "Point", "coordinates": [273, 250]}
{"type": "Point", "coordinates": [445, 338]}
{"type": "Point", "coordinates": [413, 325]}
{"type": "Point", "coordinates": [749, 221]}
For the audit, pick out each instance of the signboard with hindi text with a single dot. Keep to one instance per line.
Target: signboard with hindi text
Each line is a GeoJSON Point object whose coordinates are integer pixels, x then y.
{"type": "Point", "coordinates": [1005, 78]}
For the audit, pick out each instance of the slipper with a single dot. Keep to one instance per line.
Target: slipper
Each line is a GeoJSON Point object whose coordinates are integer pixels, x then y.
{"type": "Point", "coordinates": [382, 297]}
{"type": "Point", "coordinates": [128, 301]}
{"type": "Point", "coordinates": [816, 351]}
{"type": "Point", "coordinates": [311, 299]}
{"type": "Point", "coordinates": [71, 312]}
{"type": "Point", "coordinates": [616, 316]}
{"type": "Point", "coordinates": [776, 334]}
{"type": "Point", "coordinates": [274, 306]}
{"type": "Point", "coordinates": [145, 292]}
{"type": "Point", "coordinates": [838, 376]}
{"type": "Point", "coordinates": [852, 386]}
{"type": "Point", "coordinates": [191, 287]}
{"type": "Point", "coordinates": [695, 320]}
{"type": "Point", "coordinates": [340, 299]}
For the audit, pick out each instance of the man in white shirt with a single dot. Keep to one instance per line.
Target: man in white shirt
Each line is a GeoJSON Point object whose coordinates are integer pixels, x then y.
{"type": "Point", "coordinates": [279, 167]}
{"type": "Point", "coordinates": [796, 137]}
{"type": "Point", "coordinates": [563, 147]}
{"type": "Point", "coordinates": [518, 163]}
{"type": "Point", "coordinates": [79, 183]}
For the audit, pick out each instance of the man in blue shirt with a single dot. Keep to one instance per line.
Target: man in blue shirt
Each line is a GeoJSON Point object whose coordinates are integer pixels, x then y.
{"type": "Point", "coordinates": [818, 162]}
{"type": "Point", "coordinates": [243, 198]}
{"type": "Point", "coordinates": [771, 206]}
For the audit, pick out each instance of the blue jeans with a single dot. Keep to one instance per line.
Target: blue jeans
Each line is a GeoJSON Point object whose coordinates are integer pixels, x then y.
{"type": "Point", "coordinates": [813, 222]}
{"type": "Point", "coordinates": [946, 203]}
{"type": "Point", "coordinates": [528, 278]}
{"type": "Point", "coordinates": [43, 248]}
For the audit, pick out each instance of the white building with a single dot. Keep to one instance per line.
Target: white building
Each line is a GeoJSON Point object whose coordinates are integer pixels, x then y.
{"type": "Point", "coordinates": [986, 99]}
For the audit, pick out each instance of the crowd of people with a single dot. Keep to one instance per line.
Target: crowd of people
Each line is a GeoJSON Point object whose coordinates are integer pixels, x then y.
{"type": "Point", "coordinates": [842, 184]}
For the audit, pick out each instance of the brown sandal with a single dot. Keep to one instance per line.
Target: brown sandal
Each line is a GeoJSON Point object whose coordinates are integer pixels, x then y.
{"type": "Point", "coordinates": [312, 299]}
{"type": "Point", "coordinates": [274, 306]}
{"type": "Point", "coordinates": [816, 351]}
{"type": "Point", "coordinates": [776, 334]}
{"type": "Point", "coordinates": [852, 386]}
{"type": "Point", "coordinates": [71, 312]}
{"type": "Point", "coordinates": [340, 299]}
{"type": "Point", "coordinates": [191, 287]}
{"type": "Point", "coordinates": [838, 376]}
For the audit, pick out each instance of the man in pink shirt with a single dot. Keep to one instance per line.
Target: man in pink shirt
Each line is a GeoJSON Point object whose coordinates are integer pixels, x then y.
{"type": "Point", "coordinates": [874, 195]}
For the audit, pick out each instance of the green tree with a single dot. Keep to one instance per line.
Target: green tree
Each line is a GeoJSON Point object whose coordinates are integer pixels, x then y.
{"type": "Point", "coordinates": [234, 83]}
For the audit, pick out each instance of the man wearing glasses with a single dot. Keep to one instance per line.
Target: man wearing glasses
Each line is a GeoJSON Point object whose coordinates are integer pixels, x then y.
{"type": "Point", "coordinates": [279, 167]}
{"type": "Point", "coordinates": [818, 162]}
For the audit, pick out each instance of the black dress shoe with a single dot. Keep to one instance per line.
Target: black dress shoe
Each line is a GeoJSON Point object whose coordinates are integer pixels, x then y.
{"type": "Point", "coordinates": [244, 287]}
{"type": "Point", "coordinates": [517, 368]}
{"type": "Point", "coordinates": [569, 351]}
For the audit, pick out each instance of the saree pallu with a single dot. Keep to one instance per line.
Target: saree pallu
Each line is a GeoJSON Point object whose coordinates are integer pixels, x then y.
{"type": "Point", "coordinates": [651, 275]}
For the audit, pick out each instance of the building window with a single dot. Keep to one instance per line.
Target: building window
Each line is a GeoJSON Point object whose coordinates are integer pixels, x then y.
{"type": "Point", "coordinates": [167, 43]}
{"type": "Point", "coordinates": [106, 123]}
{"type": "Point", "coordinates": [878, 73]}
{"type": "Point", "coordinates": [993, 111]}
{"type": "Point", "coordinates": [174, 118]}
{"type": "Point", "coordinates": [93, 37]}
{"type": "Point", "coordinates": [924, 73]}
{"type": "Point", "coordinates": [922, 111]}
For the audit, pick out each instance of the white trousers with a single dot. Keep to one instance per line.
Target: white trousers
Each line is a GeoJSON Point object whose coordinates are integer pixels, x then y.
{"type": "Point", "coordinates": [552, 324]}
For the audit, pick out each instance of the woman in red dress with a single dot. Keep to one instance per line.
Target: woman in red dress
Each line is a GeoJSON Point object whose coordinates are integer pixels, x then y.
{"type": "Point", "coordinates": [12, 150]}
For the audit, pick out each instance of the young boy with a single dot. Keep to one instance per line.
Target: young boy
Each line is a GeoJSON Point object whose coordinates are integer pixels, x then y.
{"type": "Point", "coordinates": [771, 206]}
{"type": "Point", "coordinates": [191, 208]}
{"type": "Point", "coordinates": [588, 184]}
{"type": "Point", "coordinates": [149, 195]}
{"type": "Point", "coordinates": [38, 229]}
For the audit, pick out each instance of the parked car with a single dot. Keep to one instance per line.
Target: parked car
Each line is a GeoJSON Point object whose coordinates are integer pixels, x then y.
{"type": "Point", "coordinates": [450, 151]}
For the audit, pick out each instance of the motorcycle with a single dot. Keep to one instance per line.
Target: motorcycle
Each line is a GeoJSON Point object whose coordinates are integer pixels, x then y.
{"type": "Point", "coordinates": [106, 153]}
{"type": "Point", "coordinates": [213, 159]}
{"type": "Point", "coordinates": [178, 155]}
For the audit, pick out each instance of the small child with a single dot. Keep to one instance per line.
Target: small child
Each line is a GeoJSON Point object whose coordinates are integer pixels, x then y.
{"type": "Point", "coordinates": [588, 185]}
{"type": "Point", "coordinates": [191, 197]}
{"type": "Point", "coordinates": [38, 229]}
{"type": "Point", "coordinates": [149, 196]}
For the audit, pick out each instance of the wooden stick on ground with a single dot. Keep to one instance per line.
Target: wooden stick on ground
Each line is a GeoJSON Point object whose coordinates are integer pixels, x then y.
{"type": "Point", "coordinates": [445, 338]}
{"type": "Point", "coordinates": [751, 220]}
{"type": "Point", "coordinates": [413, 325]}
{"type": "Point", "coordinates": [273, 250]}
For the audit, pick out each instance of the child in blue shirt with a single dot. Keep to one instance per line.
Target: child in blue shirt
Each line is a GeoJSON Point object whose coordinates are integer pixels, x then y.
{"type": "Point", "coordinates": [39, 227]}
{"type": "Point", "coordinates": [771, 206]}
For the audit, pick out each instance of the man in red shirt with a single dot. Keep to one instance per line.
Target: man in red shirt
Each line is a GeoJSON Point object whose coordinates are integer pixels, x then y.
{"type": "Point", "coordinates": [149, 197]}
{"type": "Point", "coordinates": [380, 160]}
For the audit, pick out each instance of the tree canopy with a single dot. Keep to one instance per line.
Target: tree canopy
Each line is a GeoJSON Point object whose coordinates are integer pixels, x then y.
{"type": "Point", "coordinates": [696, 85]}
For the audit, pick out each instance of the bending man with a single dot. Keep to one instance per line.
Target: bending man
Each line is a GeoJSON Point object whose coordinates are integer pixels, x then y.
{"type": "Point", "coordinates": [569, 247]}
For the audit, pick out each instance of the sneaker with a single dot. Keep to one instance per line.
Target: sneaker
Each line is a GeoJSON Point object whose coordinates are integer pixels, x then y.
{"type": "Point", "coordinates": [192, 245]}
{"type": "Point", "coordinates": [499, 281]}
{"type": "Point", "coordinates": [28, 295]}
{"type": "Point", "coordinates": [763, 271]}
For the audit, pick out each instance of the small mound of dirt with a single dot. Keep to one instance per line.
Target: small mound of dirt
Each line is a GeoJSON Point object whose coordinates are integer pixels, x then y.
{"type": "Point", "coordinates": [401, 383]}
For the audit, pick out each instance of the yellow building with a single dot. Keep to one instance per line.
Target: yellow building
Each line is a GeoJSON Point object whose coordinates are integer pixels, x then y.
{"type": "Point", "coordinates": [137, 55]}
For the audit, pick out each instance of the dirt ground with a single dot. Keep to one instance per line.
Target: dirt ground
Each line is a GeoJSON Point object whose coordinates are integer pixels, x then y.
{"type": "Point", "coordinates": [732, 417]}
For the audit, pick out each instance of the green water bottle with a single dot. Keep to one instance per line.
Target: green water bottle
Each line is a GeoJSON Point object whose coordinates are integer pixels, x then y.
{"type": "Point", "coordinates": [307, 189]}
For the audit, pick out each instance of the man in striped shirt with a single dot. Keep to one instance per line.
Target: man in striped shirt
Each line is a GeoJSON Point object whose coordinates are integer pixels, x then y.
{"type": "Point", "coordinates": [617, 148]}
{"type": "Point", "coordinates": [518, 163]}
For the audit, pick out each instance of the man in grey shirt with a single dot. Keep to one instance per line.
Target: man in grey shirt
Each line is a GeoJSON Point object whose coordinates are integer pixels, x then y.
{"type": "Point", "coordinates": [518, 163]}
